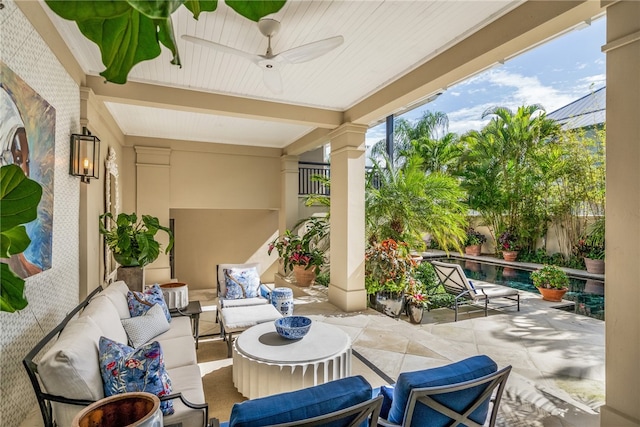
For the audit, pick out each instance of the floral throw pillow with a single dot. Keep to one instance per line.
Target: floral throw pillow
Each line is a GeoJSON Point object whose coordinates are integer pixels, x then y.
{"type": "Point", "coordinates": [241, 282]}
{"type": "Point", "coordinates": [140, 302]}
{"type": "Point", "coordinates": [125, 369]}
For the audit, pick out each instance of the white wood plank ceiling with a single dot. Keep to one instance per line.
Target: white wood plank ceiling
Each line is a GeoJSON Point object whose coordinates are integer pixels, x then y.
{"type": "Point", "coordinates": [384, 40]}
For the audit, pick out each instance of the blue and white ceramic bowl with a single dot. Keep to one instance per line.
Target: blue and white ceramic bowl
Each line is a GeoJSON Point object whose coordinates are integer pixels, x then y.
{"type": "Point", "coordinates": [293, 327]}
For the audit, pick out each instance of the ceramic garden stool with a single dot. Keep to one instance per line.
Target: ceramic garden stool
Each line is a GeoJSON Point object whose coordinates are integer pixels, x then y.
{"type": "Point", "coordinates": [282, 300]}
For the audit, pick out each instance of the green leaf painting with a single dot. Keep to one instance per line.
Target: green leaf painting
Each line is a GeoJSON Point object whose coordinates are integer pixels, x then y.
{"type": "Point", "coordinates": [129, 32]}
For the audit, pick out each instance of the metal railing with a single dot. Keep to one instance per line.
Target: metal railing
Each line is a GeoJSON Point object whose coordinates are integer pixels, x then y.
{"type": "Point", "coordinates": [306, 170]}
{"type": "Point", "coordinates": [306, 185]}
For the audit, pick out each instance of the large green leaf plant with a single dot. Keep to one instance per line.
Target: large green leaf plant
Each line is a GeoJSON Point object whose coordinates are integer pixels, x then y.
{"type": "Point", "coordinates": [19, 198]}
{"type": "Point", "coordinates": [132, 240]}
{"type": "Point", "coordinates": [131, 31]}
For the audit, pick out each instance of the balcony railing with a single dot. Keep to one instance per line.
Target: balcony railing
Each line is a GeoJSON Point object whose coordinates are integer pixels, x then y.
{"type": "Point", "coordinates": [307, 186]}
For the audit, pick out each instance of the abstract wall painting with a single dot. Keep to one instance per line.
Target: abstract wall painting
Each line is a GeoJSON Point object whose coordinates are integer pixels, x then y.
{"type": "Point", "coordinates": [27, 138]}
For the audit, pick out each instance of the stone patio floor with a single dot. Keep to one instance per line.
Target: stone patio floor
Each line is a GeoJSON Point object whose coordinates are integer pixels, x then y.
{"type": "Point", "coordinates": [557, 356]}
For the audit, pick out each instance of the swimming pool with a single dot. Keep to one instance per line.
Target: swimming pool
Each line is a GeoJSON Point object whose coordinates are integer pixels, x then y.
{"type": "Point", "coordinates": [587, 294]}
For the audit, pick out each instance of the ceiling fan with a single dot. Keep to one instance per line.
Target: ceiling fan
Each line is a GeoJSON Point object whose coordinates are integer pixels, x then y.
{"type": "Point", "coordinates": [270, 62]}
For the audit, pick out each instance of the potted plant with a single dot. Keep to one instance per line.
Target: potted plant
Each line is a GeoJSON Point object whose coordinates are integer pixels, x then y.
{"type": "Point", "coordinates": [508, 245]}
{"type": "Point", "coordinates": [416, 300]}
{"type": "Point", "coordinates": [300, 253]}
{"type": "Point", "coordinates": [132, 242]}
{"type": "Point", "coordinates": [473, 242]}
{"type": "Point", "coordinates": [591, 247]}
{"type": "Point", "coordinates": [551, 281]}
{"type": "Point", "coordinates": [388, 271]}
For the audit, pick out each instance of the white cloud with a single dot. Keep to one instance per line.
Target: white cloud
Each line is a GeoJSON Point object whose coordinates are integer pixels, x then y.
{"type": "Point", "coordinates": [455, 93]}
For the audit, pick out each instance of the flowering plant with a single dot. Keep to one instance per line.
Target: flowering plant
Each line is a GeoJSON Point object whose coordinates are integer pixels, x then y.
{"type": "Point", "coordinates": [301, 249]}
{"type": "Point", "coordinates": [388, 266]}
{"type": "Point", "coordinates": [508, 241]}
{"type": "Point", "coordinates": [416, 294]}
{"type": "Point", "coordinates": [474, 237]}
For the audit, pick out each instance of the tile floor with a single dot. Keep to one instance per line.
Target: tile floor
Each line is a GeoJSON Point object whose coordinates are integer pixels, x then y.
{"type": "Point", "coordinates": [557, 356]}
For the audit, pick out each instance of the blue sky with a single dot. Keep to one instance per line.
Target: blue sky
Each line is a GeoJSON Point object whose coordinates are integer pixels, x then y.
{"type": "Point", "coordinates": [552, 74]}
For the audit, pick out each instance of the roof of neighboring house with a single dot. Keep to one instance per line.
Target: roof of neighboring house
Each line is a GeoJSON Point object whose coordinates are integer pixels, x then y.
{"type": "Point", "coordinates": [587, 111]}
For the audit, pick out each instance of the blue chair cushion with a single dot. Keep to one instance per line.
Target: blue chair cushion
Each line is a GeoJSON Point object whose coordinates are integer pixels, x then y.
{"type": "Point", "coordinates": [302, 404]}
{"type": "Point", "coordinates": [464, 370]}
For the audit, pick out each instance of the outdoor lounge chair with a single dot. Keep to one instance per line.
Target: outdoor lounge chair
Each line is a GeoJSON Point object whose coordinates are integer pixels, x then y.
{"type": "Point", "coordinates": [455, 282]}
{"type": "Point", "coordinates": [467, 393]}
{"type": "Point", "coordinates": [346, 402]}
{"type": "Point", "coordinates": [238, 313]}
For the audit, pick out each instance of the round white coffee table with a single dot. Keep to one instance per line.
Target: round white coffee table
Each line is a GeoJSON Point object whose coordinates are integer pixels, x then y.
{"type": "Point", "coordinates": [264, 363]}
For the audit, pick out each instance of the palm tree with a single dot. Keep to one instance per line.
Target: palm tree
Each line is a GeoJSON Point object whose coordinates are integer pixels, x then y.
{"type": "Point", "coordinates": [409, 202]}
{"type": "Point", "coordinates": [502, 170]}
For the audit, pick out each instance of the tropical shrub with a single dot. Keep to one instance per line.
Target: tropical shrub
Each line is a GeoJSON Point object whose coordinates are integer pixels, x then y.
{"type": "Point", "coordinates": [388, 266]}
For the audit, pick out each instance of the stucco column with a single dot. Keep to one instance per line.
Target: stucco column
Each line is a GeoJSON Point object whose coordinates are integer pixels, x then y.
{"type": "Point", "coordinates": [622, 345]}
{"type": "Point", "coordinates": [153, 198]}
{"type": "Point", "coordinates": [288, 215]}
{"type": "Point", "coordinates": [346, 290]}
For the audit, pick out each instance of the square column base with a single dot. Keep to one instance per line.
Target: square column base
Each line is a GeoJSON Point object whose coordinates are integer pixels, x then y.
{"type": "Point", "coordinates": [355, 300]}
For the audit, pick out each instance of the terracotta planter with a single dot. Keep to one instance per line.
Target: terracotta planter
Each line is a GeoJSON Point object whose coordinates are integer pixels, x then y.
{"type": "Point", "coordinates": [139, 409]}
{"type": "Point", "coordinates": [474, 250]}
{"type": "Point", "coordinates": [304, 277]}
{"type": "Point", "coordinates": [415, 313]}
{"type": "Point", "coordinates": [509, 255]}
{"type": "Point", "coordinates": [595, 266]}
{"type": "Point", "coordinates": [553, 295]}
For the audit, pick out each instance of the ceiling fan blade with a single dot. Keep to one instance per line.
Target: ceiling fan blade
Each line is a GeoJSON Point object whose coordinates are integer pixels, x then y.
{"type": "Point", "coordinates": [272, 80]}
{"type": "Point", "coordinates": [221, 48]}
{"type": "Point", "coordinates": [310, 51]}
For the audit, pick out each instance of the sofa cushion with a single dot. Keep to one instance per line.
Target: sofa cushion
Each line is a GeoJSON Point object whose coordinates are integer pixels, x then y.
{"type": "Point", "coordinates": [180, 327]}
{"type": "Point", "coordinates": [71, 368]}
{"type": "Point", "coordinates": [125, 369]}
{"type": "Point", "coordinates": [302, 404]}
{"type": "Point", "coordinates": [117, 293]}
{"type": "Point", "coordinates": [179, 351]}
{"type": "Point", "coordinates": [140, 302]}
{"type": "Point", "coordinates": [144, 328]}
{"type": "Point", "coordinates": [241, 282]}
{"type": "Point", "coordinates": [188, 381]}
{"type": "Point", "coordinates": [105, 315]}
{"type": "Point", "coordinates": [464, 370]}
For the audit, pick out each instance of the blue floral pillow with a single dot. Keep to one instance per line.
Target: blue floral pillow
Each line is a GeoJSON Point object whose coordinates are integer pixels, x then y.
{"type": "Point", "coordinates": [140, 302]}
{"type": "Point", "coordinates": [241, 282]}
{"type": "Point", "coordinates": [125, 369]}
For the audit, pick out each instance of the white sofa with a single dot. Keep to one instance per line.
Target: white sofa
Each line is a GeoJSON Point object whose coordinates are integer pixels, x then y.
{"type": "Point", "coordinates": [70, 367]}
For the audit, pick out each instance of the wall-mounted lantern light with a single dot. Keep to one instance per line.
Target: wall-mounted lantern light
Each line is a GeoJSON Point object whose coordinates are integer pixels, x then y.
{"type": "Point", "coordinates": [85, 156]}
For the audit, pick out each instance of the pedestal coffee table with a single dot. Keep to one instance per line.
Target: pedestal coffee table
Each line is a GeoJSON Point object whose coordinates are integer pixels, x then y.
{"type": "Point", "coordinates": [264, 363]}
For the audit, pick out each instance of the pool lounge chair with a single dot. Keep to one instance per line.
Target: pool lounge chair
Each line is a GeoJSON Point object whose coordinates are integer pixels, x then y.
{"type": "Point", "coordinates": [455, 282]}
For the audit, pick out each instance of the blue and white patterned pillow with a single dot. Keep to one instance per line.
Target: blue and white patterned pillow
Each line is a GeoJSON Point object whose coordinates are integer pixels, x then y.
{"type": "Point", "coordinates": [125, 369]}
{"type": "Point", "coordinates": [140, 302]}
{"type": "Point", "coordinates": [241, 282]}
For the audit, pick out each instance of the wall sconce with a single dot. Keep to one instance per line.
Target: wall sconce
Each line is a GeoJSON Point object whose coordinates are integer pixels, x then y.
{"type": "Point", "coordinates": [85, 156]}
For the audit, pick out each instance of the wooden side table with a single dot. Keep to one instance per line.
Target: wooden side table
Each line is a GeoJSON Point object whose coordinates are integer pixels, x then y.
{"type": "Point", "coordinates": [193, 310]}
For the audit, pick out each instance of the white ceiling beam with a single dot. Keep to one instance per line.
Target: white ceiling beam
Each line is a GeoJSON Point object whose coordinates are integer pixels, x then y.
{"type": "Point", "coordinates": [150, 95]}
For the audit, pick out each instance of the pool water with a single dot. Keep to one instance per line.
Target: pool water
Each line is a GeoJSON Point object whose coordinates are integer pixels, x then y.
{"type": "Point", "coordinates": [587, 294]}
